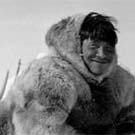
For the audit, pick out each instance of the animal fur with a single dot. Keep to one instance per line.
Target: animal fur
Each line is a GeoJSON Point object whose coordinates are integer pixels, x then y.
{"type": "Point", "coordinates": [57, 95]}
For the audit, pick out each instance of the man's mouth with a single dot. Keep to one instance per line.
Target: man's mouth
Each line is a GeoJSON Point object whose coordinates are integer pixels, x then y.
{"type": "Point", "coordinates": [100, 61]}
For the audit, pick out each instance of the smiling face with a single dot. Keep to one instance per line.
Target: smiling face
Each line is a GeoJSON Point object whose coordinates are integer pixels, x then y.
{"type": "Point", "coordinates": [97, 55]}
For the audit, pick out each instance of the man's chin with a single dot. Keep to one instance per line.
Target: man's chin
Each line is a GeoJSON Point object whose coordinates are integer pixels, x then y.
{"type": "Point", "coordinates": [98, 68]}
{"type": "Point", "coordinates": [95, 73]}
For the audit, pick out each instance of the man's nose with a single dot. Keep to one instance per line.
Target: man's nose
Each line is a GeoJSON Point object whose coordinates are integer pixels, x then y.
{"type": "Point", "coordinates": [100, 52]}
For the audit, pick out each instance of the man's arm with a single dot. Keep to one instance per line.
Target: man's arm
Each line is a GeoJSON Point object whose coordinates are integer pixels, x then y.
{"type": "Point", "coordinates": [125, 88]}
{"type": "Point", "coordinates": [126, 121]}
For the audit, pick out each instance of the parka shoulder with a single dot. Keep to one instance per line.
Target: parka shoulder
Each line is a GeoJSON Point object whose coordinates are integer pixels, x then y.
{"type": "Point", "coordinates": [55, 73]}
{"type": "Point", "coordinates": [123, 82]}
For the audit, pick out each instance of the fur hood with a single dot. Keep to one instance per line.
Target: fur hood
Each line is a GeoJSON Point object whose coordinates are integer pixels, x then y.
{"type": "Point", "coordinates": [63, 38]}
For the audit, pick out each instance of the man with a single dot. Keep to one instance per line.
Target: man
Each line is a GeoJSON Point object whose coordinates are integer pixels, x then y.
{"type": "Point", "coordinates": [78, 88]}
{"type": "Point", "coordinates": [88, 44]}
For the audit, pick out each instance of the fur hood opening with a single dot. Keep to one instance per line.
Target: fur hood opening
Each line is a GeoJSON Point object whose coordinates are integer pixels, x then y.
{"type": "Point", "coordinates": [63, 38]}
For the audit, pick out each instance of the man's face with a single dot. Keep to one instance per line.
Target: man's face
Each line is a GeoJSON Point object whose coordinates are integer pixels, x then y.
{"type": "Point", "coordinates": [98, 55]}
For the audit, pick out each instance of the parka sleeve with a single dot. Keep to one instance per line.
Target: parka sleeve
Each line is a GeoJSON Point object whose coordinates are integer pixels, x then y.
{"type": "Point", "coordinates": [125, 121]}
{"type": "Point", "coordinates": [51, 86]}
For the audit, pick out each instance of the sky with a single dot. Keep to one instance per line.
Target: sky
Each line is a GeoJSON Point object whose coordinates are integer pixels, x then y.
{"type": "Point", "coordinates": [24, 23]}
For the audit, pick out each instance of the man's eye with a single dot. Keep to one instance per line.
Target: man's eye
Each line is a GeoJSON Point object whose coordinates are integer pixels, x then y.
{"type": "Point", "coordinates": [109, 49]}
{"type": "Point", "coordinates": [94, 46]}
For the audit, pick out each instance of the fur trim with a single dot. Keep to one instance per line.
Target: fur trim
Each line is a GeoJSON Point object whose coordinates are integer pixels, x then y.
{"type": "Point", "coordinates": [63, 37]}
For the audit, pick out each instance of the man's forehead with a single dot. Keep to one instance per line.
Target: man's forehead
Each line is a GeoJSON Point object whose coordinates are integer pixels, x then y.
{"type": "Point", "coordinates": [98, 42]}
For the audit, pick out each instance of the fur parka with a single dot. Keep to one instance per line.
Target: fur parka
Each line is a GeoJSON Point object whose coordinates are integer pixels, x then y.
{"type": "Point", "coordinates": [57, 95]}
{"type": "Point", "coordinates": [112, 103]}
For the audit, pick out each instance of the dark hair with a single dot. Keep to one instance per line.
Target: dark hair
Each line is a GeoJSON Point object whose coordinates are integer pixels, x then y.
{"type": "Point", "coordinates": [99, 27]}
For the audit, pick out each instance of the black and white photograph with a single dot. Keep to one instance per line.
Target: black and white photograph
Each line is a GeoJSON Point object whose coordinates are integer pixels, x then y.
{"type": "Point", "coordinates": [67, 67]}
